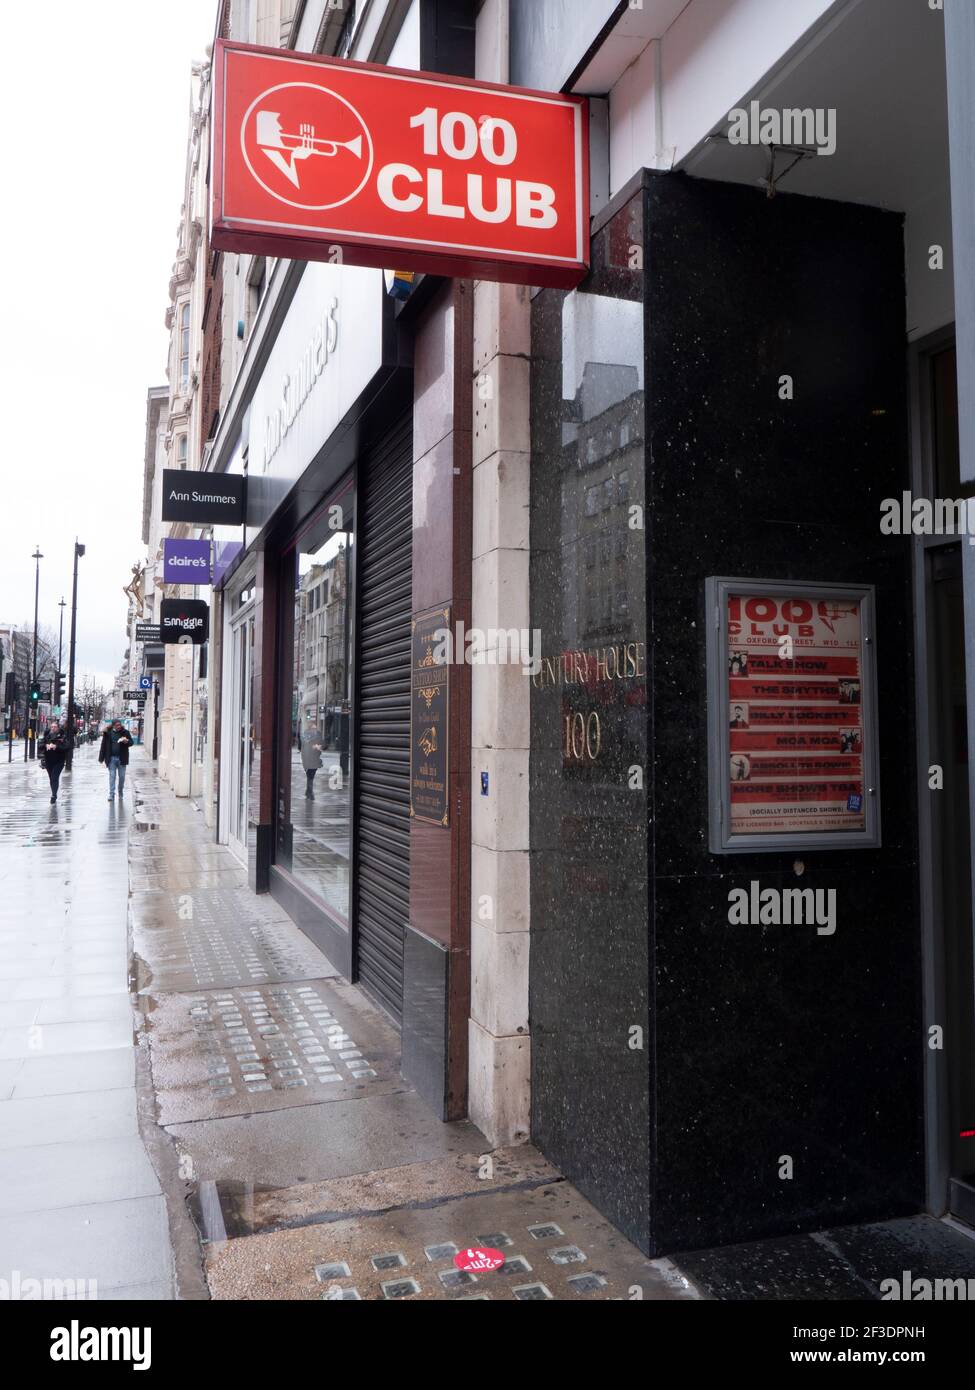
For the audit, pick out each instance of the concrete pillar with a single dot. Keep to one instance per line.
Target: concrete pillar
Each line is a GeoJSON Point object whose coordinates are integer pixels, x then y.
{"type": "Point", "coordinates": [500, 1047]}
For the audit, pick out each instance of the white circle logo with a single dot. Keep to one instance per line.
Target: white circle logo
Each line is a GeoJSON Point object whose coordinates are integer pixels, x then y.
{"type": "Point", "coordinates": [306, 146]}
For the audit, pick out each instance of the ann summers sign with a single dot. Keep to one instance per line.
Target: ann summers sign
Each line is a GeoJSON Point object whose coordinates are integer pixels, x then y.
{"type": "Point", "coordinates": [205, 498]}
{"type": "Point", "coordinates": [325, 159]}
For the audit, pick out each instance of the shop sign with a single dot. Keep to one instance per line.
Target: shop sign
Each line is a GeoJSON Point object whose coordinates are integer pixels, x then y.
{"type": "Point", "coordinates": [791, 690]}
{"type": "Point", "coordinates": [308, 385]}
{"type": "Point", "coordinates": [147, 632]}
{"type": "Point", "coordinates": [139, 695]}
{"type": "Point", "coordinates": [319, 158]}
{"type": "Point", "coordinates": [186, 561]}
{"type": "Point", "coordinates": [429, 720]}
{"type": "Point", "coordinates": [206, 499]}
{"type": "Point", "coordinates": [184, 620]}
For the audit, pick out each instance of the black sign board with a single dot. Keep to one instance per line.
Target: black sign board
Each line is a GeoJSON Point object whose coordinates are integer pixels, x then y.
{"type": "Point", "coordinates": [147, 632]}
{"type": "Point", "coordinates": [154, 659]}
{"type": "Point", "coordinates": [184, 620]}
{"type": "Point", "coordinates": [134, 694]}
{"type": "Point", "coordinates": [204, 498]}
{"type": "Point", "coordinates": [429, 716]}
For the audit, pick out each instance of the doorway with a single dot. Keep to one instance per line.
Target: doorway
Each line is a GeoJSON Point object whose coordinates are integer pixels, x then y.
{"type": "Point", "coordinates": [241, 724]}
{"type": "Point", "coordinates": [951, 855]}
{"type": "Point", "coordinates": [944, 573]}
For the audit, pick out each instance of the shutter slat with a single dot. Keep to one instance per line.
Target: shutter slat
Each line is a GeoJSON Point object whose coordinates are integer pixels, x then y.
{"type": "Point", "coordinates": [385, 526]}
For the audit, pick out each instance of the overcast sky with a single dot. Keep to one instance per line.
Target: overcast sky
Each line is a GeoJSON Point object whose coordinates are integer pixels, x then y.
{"type": "Point", "coordinates": [95, 115]}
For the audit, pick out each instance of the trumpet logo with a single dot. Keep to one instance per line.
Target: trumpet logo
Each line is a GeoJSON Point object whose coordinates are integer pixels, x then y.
{"type": "Point", "coordinates": [286, 151]}
{"type": "Point", "coordinates": [306, 145]}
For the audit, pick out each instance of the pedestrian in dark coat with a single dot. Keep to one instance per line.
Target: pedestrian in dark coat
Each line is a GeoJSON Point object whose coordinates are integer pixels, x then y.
{"type": "Point", "coordinates": [114, 753]}
{"type": "Point", "coordinates": [54, 750]}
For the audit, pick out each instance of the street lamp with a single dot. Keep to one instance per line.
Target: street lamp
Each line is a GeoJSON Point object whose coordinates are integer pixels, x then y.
{"type": "Point", "coordinates": [30, 751]}
{"type": "Point", "coordinates": [79, 550]}
{"type": "Point", "coordinates": [62, 605]}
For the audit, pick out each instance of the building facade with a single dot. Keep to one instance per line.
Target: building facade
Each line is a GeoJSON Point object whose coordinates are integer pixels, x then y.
{"type": "Point", "coordinates": [765, 352]}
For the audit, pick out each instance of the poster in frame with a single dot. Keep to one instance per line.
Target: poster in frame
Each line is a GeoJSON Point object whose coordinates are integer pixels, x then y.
{"type": "Point", "coordinates": [792, 716]}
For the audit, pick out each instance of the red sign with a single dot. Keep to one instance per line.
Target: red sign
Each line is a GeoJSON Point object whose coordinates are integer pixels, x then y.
{"type": "Point", "coordinates": [326, 159]}
{"type": "Point", "coordinates": [478, 1258]}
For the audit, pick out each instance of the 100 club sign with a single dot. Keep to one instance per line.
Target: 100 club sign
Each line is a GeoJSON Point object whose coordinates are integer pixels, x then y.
{"type": "Point", "coordinates": [326, 159]}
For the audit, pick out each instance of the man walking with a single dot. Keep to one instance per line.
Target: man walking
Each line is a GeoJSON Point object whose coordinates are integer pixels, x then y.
{"type": "Point", "coordinates": [54, 750]}
{"type": "Point", "coordinates": [114, 753]}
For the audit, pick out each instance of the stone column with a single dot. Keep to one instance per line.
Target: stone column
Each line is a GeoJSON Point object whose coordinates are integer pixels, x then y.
{"type": "Point", "coordinates": [500, 1053]}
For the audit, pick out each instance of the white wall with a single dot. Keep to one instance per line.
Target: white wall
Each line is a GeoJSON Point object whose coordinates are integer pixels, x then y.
{"type": "Point", "coordinates": [714, 53]}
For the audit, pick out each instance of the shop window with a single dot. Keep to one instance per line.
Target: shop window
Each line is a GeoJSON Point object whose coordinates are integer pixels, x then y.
{"type": "Point", "coordinates": [184, 346]}
{"type": "Point", "coordinates": [314, 799]}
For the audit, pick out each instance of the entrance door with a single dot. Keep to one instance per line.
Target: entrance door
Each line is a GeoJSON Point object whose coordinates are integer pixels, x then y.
{"type": "Point", "coordinates": [242, 739]}
{"type": "Point", "coordinates": [948, 587]}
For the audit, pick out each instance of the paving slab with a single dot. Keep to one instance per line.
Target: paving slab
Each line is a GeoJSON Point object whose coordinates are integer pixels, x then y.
{"type": "Point", "coordinates": [67, 1174]}
{"type": "Point", "coordinates": [227, 1052]}
{"type": "Point", "coordinates": [85, 1115]}
{"type": "Point", "coordinates": [282, 1149]}
{"type": "Point", "coordinates": [118, 1244]}
{"type": "Point", "coordinates": [555, 1245]}
{"type": "Point", "coordinates": [842, 1262]}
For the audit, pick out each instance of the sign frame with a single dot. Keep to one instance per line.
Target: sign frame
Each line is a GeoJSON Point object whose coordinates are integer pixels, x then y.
{"type": "Point", "coordinates": [458, 259]}
{"type": "Point", "coordinates": [194, 608]}
{"type": "Point", "coordinates": [176, 548]}
{"type": "Point", "coordinates": [718, 590]}
{"type": "Point", "coordinates": [235, 509]}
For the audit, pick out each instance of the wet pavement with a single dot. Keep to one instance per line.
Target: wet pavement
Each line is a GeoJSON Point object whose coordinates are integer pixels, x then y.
{"type": "Point", "coordinates": [277, 1088]}
{"type": "Point", "coordinates": [79, 1195]}
{"type": "Point", "coordinates": [194, 1105]}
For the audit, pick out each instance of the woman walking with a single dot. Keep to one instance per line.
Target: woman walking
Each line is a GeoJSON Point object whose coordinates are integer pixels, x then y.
{"type": "Point", "coordinates": [54, 750]}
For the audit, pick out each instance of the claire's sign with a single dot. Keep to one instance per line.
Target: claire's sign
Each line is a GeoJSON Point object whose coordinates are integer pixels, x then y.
{"type": "Point", "coordinates": [186, 562]}
{"type": "Point", "coordinates": [326, 159]}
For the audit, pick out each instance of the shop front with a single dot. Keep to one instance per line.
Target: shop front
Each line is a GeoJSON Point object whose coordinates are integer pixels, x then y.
{"type": "Point", "coordinates": [312, 769]}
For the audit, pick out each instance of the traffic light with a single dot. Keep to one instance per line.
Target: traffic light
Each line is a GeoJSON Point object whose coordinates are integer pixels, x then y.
{"type": "Point", "coordinates": [35, 692]}
{"type": "Point", "coordinates": [58, 679]}
{"type": "Point", "coordinates": [10, 692]}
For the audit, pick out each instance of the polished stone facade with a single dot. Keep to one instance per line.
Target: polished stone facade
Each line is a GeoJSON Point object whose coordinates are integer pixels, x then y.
{"type": "Point", "coordinates": [761, 1044]}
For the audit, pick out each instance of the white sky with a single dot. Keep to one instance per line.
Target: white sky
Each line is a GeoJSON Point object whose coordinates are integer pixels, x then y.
{"type": "Point", "coordinates": [95, 116]}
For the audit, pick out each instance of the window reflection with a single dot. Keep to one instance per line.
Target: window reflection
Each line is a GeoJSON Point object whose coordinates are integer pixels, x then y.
{"type": "Point", "coordinates": [314, 804]}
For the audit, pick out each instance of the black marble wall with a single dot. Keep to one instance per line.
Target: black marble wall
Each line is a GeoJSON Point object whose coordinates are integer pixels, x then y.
{"type": "Point", "coordinates": [589, 973]}
{"type": "Point", "coordinates": [762, 1042]}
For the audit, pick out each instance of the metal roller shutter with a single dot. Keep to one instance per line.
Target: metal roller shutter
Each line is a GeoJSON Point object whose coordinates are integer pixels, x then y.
{"type": "Point", "coordinates": [384, 596]}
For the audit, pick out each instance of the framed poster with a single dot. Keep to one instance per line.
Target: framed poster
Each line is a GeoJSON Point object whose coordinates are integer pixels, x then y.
{"type": "Point", "coordinates": [792, 719]}
{"type": "Point", "coordinates": [429, 720]}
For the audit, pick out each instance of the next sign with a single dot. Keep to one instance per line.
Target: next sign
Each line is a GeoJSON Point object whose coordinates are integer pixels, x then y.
{"type": "Point", "coordinates": [326, 159]}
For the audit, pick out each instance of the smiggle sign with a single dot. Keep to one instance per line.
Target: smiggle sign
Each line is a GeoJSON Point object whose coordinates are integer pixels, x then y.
{"type": "Point", "coordinates": [325, 159]}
